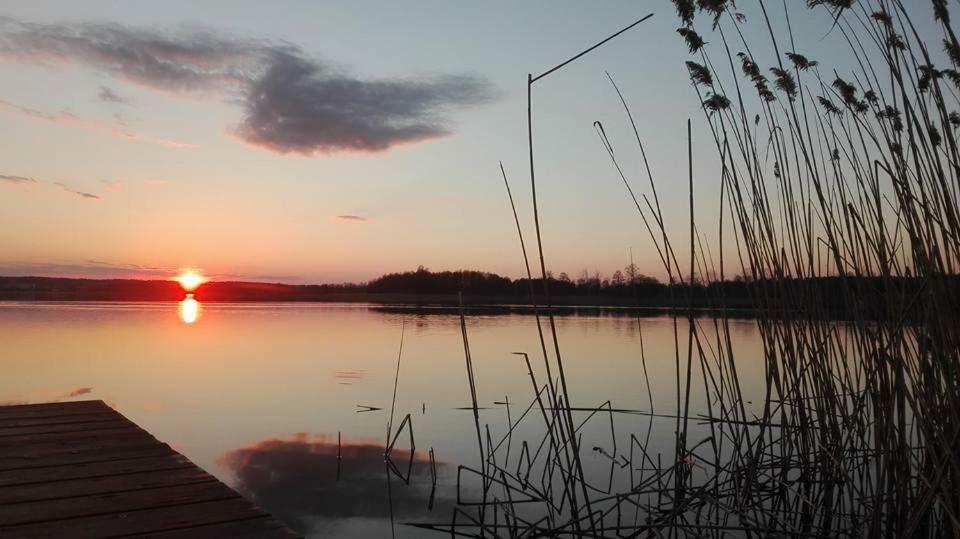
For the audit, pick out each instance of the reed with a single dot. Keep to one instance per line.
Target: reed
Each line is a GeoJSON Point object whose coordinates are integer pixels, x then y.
{"type": "Point", "coordinates": [849, 175]}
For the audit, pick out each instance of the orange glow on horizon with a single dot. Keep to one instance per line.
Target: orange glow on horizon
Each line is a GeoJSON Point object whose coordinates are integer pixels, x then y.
{"type": "Point", "coordinates": [190, 280]}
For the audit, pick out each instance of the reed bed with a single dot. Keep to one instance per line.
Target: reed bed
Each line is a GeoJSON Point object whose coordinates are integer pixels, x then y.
{"type": "Point", "coordinates": [823, 174]}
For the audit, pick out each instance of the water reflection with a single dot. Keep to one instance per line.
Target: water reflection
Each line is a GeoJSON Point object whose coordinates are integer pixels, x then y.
{"type": "Point", "coordinates": [189, 309]}
{"type": "Point", "coordinates": [253, 372]}
{"type": "Point", "coordinates": [296, 479]}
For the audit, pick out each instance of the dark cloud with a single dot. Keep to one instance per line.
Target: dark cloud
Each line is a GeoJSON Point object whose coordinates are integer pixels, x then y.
{"type": "Point", "coordinates": [296, 479]}
{"type": "Point", "coordinates": [354, 374]}
{"type": "Point", "coordinates": [352, 218]}
{"type": "Point", "coordinates": [301, 106]}
{"type": "Point", "coordinates": [109, 96]}
{"type": "Point", "coordinates": [80, 194]}
{"type": "Point", "coordinates": [292, 103]}
{"type": "Point", "coordinates": [16, 179]}
{"type": "Point", "coordinates": [80, 391]}
{"type": "Point", "coordinates": [349, 377]}
{"type": "Point", "coordinates": [176, 62]}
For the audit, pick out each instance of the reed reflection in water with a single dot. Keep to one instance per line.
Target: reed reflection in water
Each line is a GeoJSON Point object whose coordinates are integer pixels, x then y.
{"type": "Point", "coordinates": [249, 378]}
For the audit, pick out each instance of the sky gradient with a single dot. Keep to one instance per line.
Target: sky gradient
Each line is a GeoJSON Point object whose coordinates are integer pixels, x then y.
{"type": "Point", "coordinates": [332, 142]}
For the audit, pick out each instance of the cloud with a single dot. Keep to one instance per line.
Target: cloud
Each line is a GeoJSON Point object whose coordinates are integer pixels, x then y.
{"type": "Point", "coordinates": [92, 269]}
{"type": "Point", "coordinates": [109, 96]}
{"type": "Point", "coordinates": [71, 119]}
{"type": "Point", "coordinates": [16, 179]}
{"type": "Point", "coordinates": [100, 269]}
{"type": "Point", "coordinates": [80, 194]}
{"type": "Point", "coordinates": [348, 377]}
{"type": "Point", "coordinates": [301, 106]}
{"type": "Point", "coordinates": [38, 115]}
{"type": "Point", "coordinates": [80, 391]}
{"type": "Point", "coordinates": [170, 143]}
{"type": "Point", "coordinates": [291, 103]}
{"type": "Point", "coordinates": [176, 62]}
{"type": "Point", "coordinates": [296, 479]}
{"type": "Point", "coordinates": [352, 218]}
{"type": "Point", "coordinates": [136, 267]}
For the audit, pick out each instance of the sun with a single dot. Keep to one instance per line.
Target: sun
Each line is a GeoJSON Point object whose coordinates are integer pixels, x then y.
{"type": "Point", "coordinates": [190, 280]}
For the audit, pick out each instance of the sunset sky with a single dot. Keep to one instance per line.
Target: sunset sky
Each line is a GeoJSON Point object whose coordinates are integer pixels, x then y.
{"type": "Point", "coordinates": [329, 142]}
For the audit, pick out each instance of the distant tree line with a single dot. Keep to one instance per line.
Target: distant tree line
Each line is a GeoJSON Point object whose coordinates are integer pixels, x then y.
{"type": "Point", "coordinates": [423, 281]}
{"type": "Point", "coordinates": [623, 287]}
{"type": "Point", "coordinates": [65, 289]}
{"type": "Point", "coordinates": [824, 296]}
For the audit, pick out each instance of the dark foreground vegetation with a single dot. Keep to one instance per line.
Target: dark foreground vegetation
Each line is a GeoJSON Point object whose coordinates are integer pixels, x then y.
{"type": "Point", "coordinates": [839, 184]}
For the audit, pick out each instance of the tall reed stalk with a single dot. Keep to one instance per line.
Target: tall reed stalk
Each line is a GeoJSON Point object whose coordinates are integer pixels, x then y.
{"type": "Point", "coordinates": [826, 177]}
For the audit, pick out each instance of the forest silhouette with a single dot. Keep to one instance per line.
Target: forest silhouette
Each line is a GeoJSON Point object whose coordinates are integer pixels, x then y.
{"type": "Point", "coordinates": [626, 288]}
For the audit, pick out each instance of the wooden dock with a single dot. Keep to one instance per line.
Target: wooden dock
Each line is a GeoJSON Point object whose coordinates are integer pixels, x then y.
{"type": "Point", "coordinates": [81, 469]}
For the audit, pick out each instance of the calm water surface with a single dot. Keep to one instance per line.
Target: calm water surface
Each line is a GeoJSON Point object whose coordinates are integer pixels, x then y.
{"type": "Point", "coordinates": [257, 394]}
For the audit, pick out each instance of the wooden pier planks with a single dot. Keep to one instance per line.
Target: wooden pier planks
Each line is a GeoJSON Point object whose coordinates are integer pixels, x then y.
{"type": "Point", "coordinates": [81, 469]}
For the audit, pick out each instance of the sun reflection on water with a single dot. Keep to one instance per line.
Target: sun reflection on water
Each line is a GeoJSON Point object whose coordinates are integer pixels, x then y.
{"type": "Point", "coordinates": [189, 309]}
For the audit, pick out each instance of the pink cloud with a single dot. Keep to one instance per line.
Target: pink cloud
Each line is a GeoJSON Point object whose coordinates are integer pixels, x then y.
{"type": "Point", "coordinates": [70, 119]}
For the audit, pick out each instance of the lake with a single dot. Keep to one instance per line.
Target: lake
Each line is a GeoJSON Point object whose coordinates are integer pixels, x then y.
{"type": "Point", "coordinates": [260, 394]}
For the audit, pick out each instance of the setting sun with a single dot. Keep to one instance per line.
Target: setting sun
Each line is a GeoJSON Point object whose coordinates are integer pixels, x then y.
{"type": "Point", "coordinates": [190, 280]}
